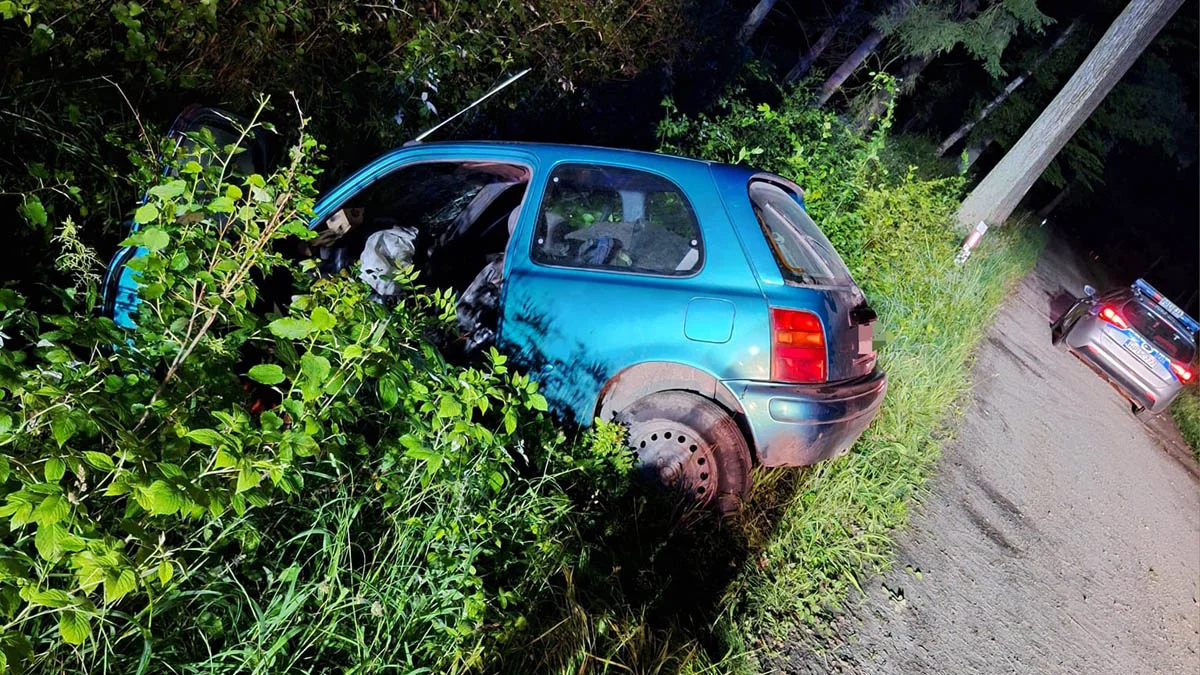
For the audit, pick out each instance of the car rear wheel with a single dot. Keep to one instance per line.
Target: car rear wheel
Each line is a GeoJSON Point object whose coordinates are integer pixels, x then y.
{"type": "Point", "coordinates": [688, 443]}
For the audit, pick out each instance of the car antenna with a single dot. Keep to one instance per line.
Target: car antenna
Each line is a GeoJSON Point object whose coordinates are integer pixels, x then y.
{"type": "Point", "coordinates": [476, 102]}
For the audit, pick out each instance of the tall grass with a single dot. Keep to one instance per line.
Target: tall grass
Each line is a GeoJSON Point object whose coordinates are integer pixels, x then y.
{"type": "Point", "coordinates": [1186, 411]}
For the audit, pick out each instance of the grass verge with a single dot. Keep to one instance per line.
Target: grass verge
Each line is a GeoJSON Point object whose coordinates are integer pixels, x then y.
{"type": "Point", "coordinates": [834, 520]}
{"type": "Point", "coordinates": [1186, 411]}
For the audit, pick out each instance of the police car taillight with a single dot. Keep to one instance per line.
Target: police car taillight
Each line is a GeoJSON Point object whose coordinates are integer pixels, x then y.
{"type": "Point", "coordinates": [1109, 314]}
{"type": "Point", "coordinates": [1184, 373]}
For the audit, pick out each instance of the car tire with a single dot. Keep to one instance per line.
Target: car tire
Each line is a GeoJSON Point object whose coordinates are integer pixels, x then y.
{"type": "Point", "coordinates": [688, 443]}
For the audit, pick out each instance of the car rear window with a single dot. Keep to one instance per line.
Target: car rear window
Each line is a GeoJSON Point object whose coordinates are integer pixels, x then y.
{"type": "Point", "coordinates": [803, 252]}
{"type": "Point", "coordinates": [1159, 331]}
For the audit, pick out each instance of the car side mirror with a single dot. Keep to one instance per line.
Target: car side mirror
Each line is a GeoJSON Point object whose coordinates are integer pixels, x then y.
{"type": "Point", "coordinates": [1089, 291]}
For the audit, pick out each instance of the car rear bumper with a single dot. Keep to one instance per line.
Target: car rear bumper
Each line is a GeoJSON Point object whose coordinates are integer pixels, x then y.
{"type": "Point", "coordinates": [799, 424]}
{"type": "Point", "coordinates": [1089, 342]}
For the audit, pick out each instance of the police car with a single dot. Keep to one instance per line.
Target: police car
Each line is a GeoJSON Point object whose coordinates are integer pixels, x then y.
{"type": "Point", "coordinates": [1136, 339]}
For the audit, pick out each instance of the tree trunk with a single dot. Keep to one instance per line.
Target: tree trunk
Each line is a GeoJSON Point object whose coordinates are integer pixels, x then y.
{"type": "Point", "coordinates": [801, 68]}
{"type": "Point", "coordinates": [757, 15]}
{"type": "Point", "coordinates": [1053, 203]}
{"type": "Point", "coordinates": [906, 80]}
{"type": "Point", "coordinates": [1019, 80]}
{"type": "Point", "coordinates": [851, 64]}
{"type": "Point", "coordinates": [994, 199]}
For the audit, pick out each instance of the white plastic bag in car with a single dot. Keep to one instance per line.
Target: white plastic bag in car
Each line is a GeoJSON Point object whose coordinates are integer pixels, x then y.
{"type": "Point", "coordinates": [386, 253]}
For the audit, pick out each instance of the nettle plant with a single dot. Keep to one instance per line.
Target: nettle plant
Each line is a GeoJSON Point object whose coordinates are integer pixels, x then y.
{"type": "Point", "coordinates": [130, 459]}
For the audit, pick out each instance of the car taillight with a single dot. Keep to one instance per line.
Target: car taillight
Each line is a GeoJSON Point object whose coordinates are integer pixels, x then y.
{"type": "Point", "coordinates": [1110, 315]}
{"type": "Point", "coordinates": [1184, 373]}
{"type": "Point", "coordinates": [797, 347]}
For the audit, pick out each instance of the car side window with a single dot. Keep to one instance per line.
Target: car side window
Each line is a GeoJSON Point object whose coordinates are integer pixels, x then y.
{"type": "Point", "coordinates": [601, 217]}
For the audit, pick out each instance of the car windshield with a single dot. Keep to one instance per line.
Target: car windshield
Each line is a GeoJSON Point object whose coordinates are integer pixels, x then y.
{"type": "Point", "coordinates": [1160, 332]}
{"type": "Point", "coordinates": [803, 252]}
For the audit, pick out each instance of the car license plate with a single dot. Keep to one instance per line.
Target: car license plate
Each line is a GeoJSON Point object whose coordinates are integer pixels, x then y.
{"type": "Point", "coordinates": [866, 338]}
{"type": "Point", "coordinates": [1138, 348]}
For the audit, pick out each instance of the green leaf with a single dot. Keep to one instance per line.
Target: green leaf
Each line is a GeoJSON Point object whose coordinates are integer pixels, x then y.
{"type": "Point", "coordinates": [224, 460]}
{"type": "Point", "coordinates": [221, 205]}
{"type": "Point", "coordinates": [352, 352]}
{"type": "Point", "coordinates": [160, 498]}
{"type": "Point", "coordinates": [52, 510]}
{"type": "Point", "coordinates": [52, 541]}
{"type": "Point", "coordinates": [74, 626]}
{"type": "Point", "coordinates": [168, 190]}
{"type": "Point", "coordinates": [267, 373]}
{"type": "Point", "coordinates": [50, 597]}
{"type": "Point", "coordinates": [496, 480]}
{"type": "Point", "coordinates": [10, 300]}
{"type": "Point", "coordinates": [538, 402]}
{"type": "Point", "coordinates": [290, 328]}
{"type": "Point", "coordinates": [247, 479]}
{"type": "Point", "coordinates": [290, 574]}
{"type": "Point", "coordinates": [117, 587]}
{"type": "Point", "coordinates": [34, 211]}
{"type": "Point", "coordinates": [99, 460]}
{"type": "Point", "coordinates": [303, 445]}
{"type": "Point", "coordinates": [153, 238]}
{"type": "Point", "coordinates": [322, 319]}
{"type": "Point", "coordinates": [210, 437]}
{"type": "Point", "coordinates": [5, 470]}
{"type": "Point", "coordinates": [165, 571]}
{"type": "Point", "coordinates": [449, 407]}
{"type": "Point", "coordinates": [389, 395]}
{"type": "Point", "coordinates": [146, 213]}
{"type": "Point", "coordinates": [421, 454]}
{"type": "Point", "coordinates": [62, 428]}
{"type": "Point", "coordinates": [54, 469]}
{"type": "Point", "coordinates": [315, 367]}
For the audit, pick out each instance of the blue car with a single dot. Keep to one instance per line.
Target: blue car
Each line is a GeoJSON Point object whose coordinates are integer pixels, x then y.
{"type": "Point", "coordinates": [694, 302]}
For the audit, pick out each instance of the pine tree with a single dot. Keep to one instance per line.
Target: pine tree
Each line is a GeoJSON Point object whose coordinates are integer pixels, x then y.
{"type": "Point", "coordinates": [995, 197]}
{"type": "Point", "coordinates": [935, 28]}
{"type": "Point", "coordinates": [1012, 86]}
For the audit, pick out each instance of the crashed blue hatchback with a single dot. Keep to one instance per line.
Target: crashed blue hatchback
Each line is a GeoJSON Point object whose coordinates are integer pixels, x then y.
{"type": "Point", "coordinates": [694, 302]}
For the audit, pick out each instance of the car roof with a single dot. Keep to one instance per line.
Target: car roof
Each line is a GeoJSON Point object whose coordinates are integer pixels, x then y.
{"type": "Point", "coordinates": [558, 151]}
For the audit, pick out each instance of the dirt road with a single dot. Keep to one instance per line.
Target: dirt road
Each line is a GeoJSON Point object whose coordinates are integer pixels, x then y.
{"type": "Point", "coordinates": [1062, 534]}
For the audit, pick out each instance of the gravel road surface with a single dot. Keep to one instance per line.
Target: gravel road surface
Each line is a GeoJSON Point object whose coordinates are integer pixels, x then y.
{"type": "Point", "coordinates": [1062, 534]}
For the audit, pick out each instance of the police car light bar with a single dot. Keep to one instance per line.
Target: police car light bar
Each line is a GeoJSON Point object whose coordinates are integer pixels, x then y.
{"type": "Point", "coordinates": [1171, 308]}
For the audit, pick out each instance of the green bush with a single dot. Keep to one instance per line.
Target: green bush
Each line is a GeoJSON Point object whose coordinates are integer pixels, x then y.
{"type": "Point", "coordinates": [263, 483]}
{"type": "Point", "coordinates": [871, 213]}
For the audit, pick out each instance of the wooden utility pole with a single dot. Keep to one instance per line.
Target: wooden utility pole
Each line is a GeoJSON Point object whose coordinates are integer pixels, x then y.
{"type": "Point", "coordinates": [994, 199]}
